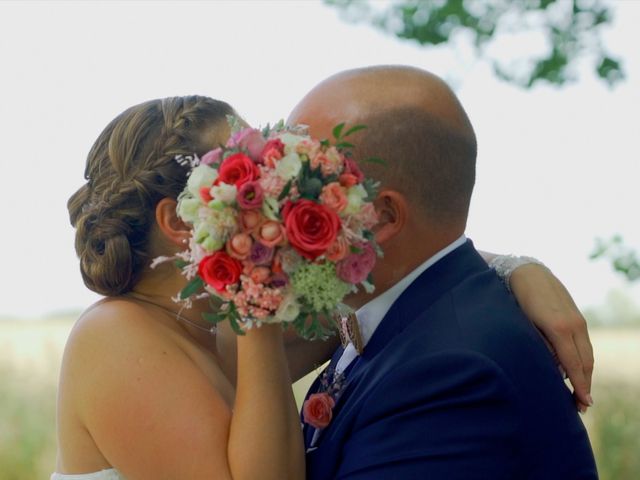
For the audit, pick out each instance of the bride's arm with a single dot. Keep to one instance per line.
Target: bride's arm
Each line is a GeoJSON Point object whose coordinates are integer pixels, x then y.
{"type": "Point", "coordinates": [545, 301]}
{"type": "Point", "coordinates": [265, 439]}
{"type": "Point", "coordinates": [153, 412]}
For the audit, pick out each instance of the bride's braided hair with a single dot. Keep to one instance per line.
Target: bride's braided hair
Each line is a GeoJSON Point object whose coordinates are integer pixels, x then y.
{"type": "Point", "coordinates": [129, 169]}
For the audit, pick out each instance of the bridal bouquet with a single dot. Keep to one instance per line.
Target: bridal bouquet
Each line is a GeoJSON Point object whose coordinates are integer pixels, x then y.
{"type": "Point", "coordinates": [281, 228]}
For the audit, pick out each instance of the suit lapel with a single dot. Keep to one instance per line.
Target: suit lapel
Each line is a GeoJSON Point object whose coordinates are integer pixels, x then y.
{"type": "Point", "coordinates": [418, 297]}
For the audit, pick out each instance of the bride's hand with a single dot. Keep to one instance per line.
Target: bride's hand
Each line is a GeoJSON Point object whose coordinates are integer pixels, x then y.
{"type": "Point", "coordinates": [548, 304]}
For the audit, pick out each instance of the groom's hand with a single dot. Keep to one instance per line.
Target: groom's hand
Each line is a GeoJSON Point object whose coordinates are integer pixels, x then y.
{"type": "Point", "coordinates": [547, 303]}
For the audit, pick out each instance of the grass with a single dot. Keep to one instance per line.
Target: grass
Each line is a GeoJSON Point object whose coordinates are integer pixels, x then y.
{"type": "Point", "coordinates": [29, 372]}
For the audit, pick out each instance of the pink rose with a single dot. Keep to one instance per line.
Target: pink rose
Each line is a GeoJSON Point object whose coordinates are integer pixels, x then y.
{"type": "Point", "coordinates": [338, 250]}
{"type": "Point", "coordinates": [251, 220]}
{"type": "Point", "coordinates": [212, 157]}
{"type": "Point", "coordinates": [271, 233]}
{"type": "Point", "coordinates": [272, 152]}
{"type": "Point", "coordinates": [250, 196]}
{"type": "Point", "coordinates": [356, 267]}
{"type": "Point", "coordinates": [239, 246]}
{"type": "Point", "coordinates": [348, 180]}
{"type": "Point", "coordinates": [334, 197]}
{"type": "Point", "coordinates": [318, 410]}
{"type": "Point", "coordinates": [260, 274]}
{"type": "Point", "coordinates": [250, 140]}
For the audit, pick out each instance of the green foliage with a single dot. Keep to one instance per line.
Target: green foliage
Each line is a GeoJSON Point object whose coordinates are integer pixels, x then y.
{"type": "Point", "coordinates": [27, 432]}
{"type": "Point", "coordinates": [614, 428]}
{"type": "Point", "coordinates": [624, 259]}
{"type": "Point", "coordinates": [572, 28]}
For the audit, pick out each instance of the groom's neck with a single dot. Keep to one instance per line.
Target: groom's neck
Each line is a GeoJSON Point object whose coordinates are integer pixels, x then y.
{"type": "Point", "coordinates": [403, 256]}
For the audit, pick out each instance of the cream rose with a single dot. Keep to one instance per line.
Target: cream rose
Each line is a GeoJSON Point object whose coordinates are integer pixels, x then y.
{"type": "Point", "coordinates": [201, 176]}
{"type": "Point", "coordinates": [289, 166]}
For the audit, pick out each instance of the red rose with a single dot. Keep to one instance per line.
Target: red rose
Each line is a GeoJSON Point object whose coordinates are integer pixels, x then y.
{"type": "Point", "coordinates": [237, 170]}
{"type": "Point", "coordinates": [318, 410]}
{"type": "Point", "coordinates": [220, 270]}
{"type": "Point", "coordinates": [311, 228]}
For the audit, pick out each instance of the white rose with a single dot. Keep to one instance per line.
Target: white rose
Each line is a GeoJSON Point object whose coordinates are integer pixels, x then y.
{"type": "Point", "coordinates": [201, 176]}
{"type": "Point", "coordinates": [224, 192]}
{"type": "Point", "coordinates": [289, 166]}
{"type": "Point", "coordinates": [188, 209]}
{"type": "Point", "coordinates": [355, 199]}
{"type": "Point", "coordinates": [288, 310]}
{"type": "Point", "coordinates": [290, 141]}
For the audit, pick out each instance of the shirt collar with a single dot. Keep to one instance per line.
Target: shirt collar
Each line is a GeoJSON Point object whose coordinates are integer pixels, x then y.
{"type": "Point", "coordinates": [371, 314]}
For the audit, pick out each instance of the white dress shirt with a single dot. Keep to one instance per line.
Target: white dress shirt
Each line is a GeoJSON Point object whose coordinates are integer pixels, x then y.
{"type": "Point", "coordinates": [371, 314]}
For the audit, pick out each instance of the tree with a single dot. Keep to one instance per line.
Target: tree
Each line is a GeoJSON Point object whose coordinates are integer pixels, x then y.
{"type": "Point", "coordinates": [572, 29]}
{"type": "Point", "coordinates": [623, 258]}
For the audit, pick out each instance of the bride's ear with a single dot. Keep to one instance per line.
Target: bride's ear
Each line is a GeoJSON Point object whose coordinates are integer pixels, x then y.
{"type": "Point", "coordinates": [392, 209]}
{"type": "Point", "coordinates": [171, 226]}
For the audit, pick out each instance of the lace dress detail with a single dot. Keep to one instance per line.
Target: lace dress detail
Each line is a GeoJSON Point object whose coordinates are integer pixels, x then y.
{"type": "Point", "coordinates": [109, 474]}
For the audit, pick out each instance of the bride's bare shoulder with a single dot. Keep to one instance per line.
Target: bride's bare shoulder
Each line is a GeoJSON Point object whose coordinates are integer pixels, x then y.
{"type": "Point", "coordinates": [116, 333]}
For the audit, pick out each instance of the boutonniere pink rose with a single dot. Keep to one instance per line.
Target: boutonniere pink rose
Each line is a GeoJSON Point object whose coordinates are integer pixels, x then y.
{"type": "Point", "coordinates": [318, 410]}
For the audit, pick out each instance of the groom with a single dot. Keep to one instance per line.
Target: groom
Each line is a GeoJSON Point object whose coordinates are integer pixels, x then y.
{"type": "Point", "coordinates": [452, 381]}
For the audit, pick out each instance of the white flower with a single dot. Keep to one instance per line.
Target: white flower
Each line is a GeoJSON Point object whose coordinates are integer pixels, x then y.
{"type": "Point", "coordinates": [188, 208]}
{"type": "Point", "coordinates": [270, 208]}
{"type": "Point", "coordinates": [224, 192]}
{"type": "Point", "coordinates": [289, 166]}
{"type": "Point", "coordinates": [201, 176]}
{"type": "Point", "coordinates": [290, 141]}
{"type": "Point", "coordinates": [355, 199]}
{"type": "Point", "coordinates": [288, 310]}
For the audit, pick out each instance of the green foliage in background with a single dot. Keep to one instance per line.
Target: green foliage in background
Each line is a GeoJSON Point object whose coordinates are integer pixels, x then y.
{"type": "Point", "coordinates": [27, 420]}
{"type": "Point", "coordinates": [614, 429]}
{"type": "Point", "coordinates": [572, 29]}
{"type": "Point", "coordinates": [623, 258]}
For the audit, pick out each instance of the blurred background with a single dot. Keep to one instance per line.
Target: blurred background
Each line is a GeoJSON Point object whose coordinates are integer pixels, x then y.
{"type": "Point", "coordinates": [551, 87]}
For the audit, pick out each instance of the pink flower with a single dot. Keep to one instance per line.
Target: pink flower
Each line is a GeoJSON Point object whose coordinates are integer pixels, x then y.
{"type": "Point", "coordinates": [271, 233]}
{"type": "Point", "coordinates": [308, 147]}
{"type": "Point", "coordinates": [250, 140]}
{"type": "Point", "coordinates": [356, 267]}
{"type": "Point", "coordinates": [260, 274]}
{"type": "Point", "coordinates": [250, 196]}
{"type": "Point", "coordinates": [351, 166]}
{"type": "Point", "coordinates": [239, 246]}
{"type": "Point", "coordinates": [318, 410]}
{"type": "Point", "coordinates": [250, 220]}
{"type": "Point", "coordinates": [212, 157]}
{"type": "Point", "coordinates": [367, 217]}
{"type": "Point", "coordinates": [272, 152]}
{"type": "Point", "coordinates": [261, 254]}
{"type": "Point", "coordinates": [334, 197]}
{"type": "Point", "coordinates": [330, 161]}
{"type": "Point", "coordinates": [338, 250]}
{"type": "Point", "coordinates": [271, 183]}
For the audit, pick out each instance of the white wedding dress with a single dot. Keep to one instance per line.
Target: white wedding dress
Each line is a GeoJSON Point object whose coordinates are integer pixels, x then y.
{"type": "Point", "coordinates": [109, 474]}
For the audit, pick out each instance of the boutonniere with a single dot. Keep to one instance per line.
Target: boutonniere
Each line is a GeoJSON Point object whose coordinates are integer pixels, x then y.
{"type": "Point", "coordinates": [317, 410]}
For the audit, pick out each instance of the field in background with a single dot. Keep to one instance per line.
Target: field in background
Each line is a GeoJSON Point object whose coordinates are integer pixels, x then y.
{"type": "Point", "coordinates": [30, 353]}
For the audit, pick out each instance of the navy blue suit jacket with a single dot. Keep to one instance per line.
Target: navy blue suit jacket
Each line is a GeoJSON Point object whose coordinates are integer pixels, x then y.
{"type": "Point", "coordinates": [455, 384]}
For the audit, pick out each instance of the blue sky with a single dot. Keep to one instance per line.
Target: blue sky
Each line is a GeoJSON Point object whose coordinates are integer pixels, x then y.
{"type": "Point", "coordinates": [556, 168]}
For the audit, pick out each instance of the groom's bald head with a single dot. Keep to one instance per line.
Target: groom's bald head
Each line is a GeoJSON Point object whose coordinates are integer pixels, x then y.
{"type": "Point", "coordinates": [415, 123]}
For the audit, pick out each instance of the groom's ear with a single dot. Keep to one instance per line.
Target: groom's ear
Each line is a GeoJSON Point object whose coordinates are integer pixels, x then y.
{"type": "Point", "coordinates": [393, 212]}
{"type": "Point", "coordinates": [171, 226]}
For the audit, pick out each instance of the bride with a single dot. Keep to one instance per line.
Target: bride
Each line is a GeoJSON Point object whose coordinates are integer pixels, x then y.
{"type": "Point", "coordinates": [148, 391]}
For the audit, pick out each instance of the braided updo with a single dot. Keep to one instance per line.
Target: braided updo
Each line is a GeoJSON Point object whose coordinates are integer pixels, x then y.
{"type": "Point", "coordinates": [129, 169]}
